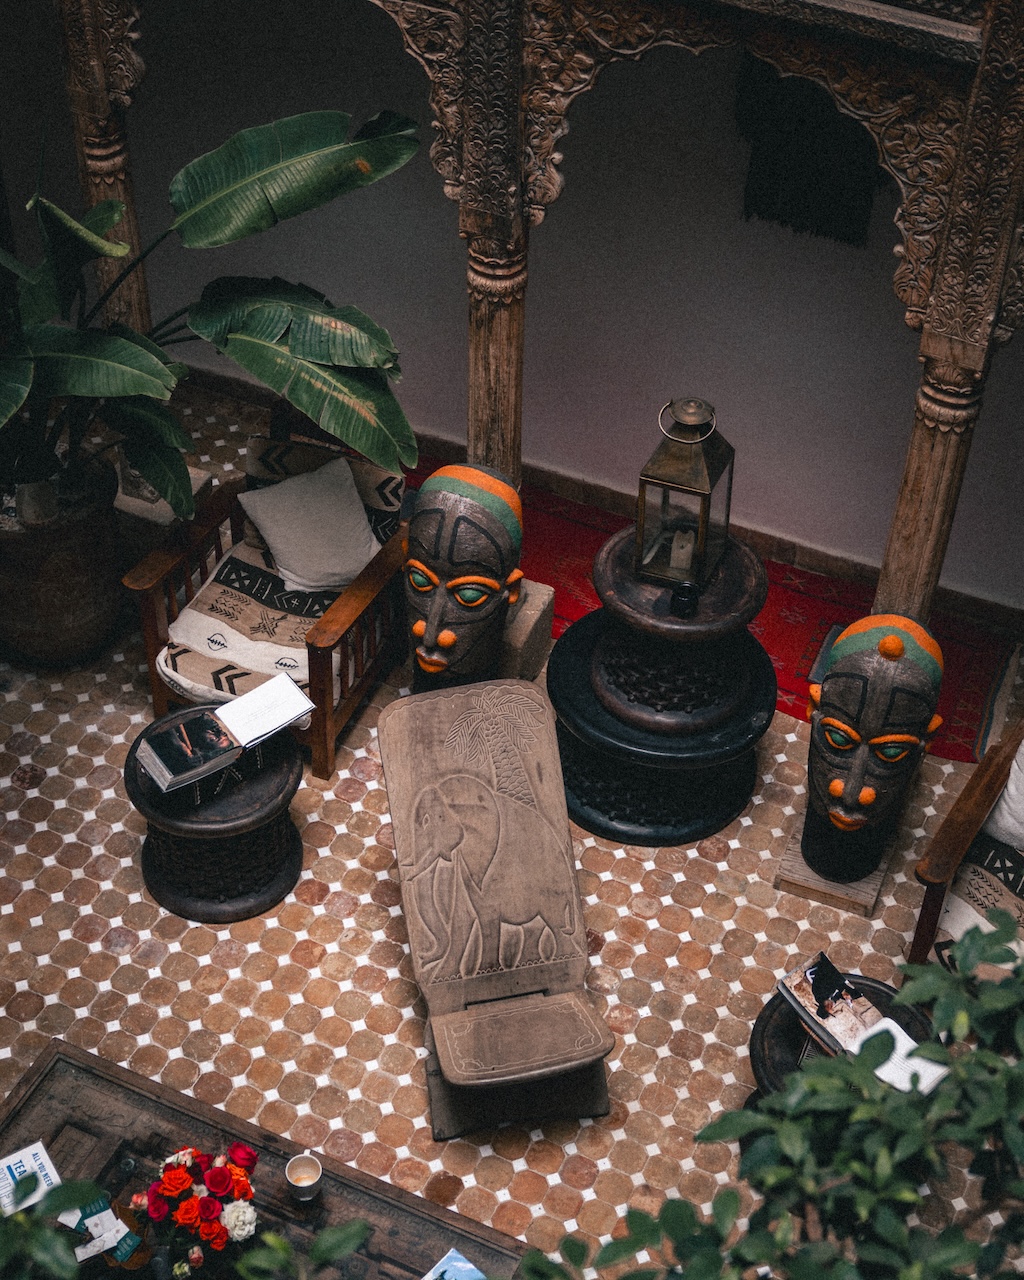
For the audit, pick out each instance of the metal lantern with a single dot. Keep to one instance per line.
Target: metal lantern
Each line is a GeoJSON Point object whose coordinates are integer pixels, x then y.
{"type": "Point", "coordinates": [682, 512]}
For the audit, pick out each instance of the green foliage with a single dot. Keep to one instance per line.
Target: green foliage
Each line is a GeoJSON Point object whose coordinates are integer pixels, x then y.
{"type": "Point", "coordinates": [841, 1165]}
{"type": "Point", "coordinates": [332, 363]}
{"type": "Point", "coordinates": [274, 1258]}
{"type": "Point", "coordinates": [30, 1246]}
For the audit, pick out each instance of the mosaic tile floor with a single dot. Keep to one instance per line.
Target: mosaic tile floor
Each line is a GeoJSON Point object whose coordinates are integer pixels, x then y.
{"type": "Point", "coordinates": [306, 1019]}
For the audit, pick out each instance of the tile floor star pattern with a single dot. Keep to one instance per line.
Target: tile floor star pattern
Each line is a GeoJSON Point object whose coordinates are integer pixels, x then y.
{"type": "Point", "coordinates": [306, 1019]}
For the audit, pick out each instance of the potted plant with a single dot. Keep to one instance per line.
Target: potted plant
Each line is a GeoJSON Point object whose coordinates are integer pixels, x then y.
{"type": "Point", "coordinates": [63, 371]}
{"type": "Point", "coordinates": [846, 1170]}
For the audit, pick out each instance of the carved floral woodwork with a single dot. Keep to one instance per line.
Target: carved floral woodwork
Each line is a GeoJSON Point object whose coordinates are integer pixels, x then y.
{"type": "Point", "coordinates": [103, 70]}
{"type": "Point", "coordinates": [979, 236]}
{"type": "Point", "coordinates": [914, 113]}
{"type": "Point", "coordinates": [939, 84]}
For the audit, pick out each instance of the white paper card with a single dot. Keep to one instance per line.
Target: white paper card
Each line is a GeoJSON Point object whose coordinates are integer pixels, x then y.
{"type": "Point", "coordinates": [13, 1168]}
{"type": "Point", "coordinates": [99, 1244]}
{"type": "Point", "coordinates": [900, 1066]}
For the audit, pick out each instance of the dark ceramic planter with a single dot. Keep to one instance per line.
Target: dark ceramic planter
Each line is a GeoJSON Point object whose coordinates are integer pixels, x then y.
{"type": "Point", "coordinates": [61, 581]}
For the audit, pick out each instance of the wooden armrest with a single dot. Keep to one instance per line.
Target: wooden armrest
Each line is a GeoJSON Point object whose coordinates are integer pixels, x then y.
{"type": "Point", "coordinates": [353, 600]}
{"type": "Point", "coordinates": [970, 809]}
{"type": "Point", "coordinates": [154, 567]}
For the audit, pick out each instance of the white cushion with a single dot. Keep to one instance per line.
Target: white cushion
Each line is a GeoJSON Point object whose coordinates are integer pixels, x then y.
{"type": "Point", "coordinates": [315, 526]}
{"type": "Point", "coordinates": [1006, 821]}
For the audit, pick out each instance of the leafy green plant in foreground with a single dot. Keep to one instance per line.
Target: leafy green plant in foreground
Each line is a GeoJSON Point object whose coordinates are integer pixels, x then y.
{"type": "Point", "coordinates": [274, 1258]}
{"type": "Point", "coordinates": [30, 1245]}
{"type": "Point", "coordinates": [332, 363]}
{"type": "Point", "coordinates": [843, 1166]}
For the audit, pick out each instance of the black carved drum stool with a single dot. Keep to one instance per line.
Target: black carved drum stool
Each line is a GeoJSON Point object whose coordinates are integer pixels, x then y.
{"type": "Point", "coordinates": [224, 848]}
{"type": "Point", "coordinates": [658, 715]}
{"type": "Point", "coordinates": [780, 1043]}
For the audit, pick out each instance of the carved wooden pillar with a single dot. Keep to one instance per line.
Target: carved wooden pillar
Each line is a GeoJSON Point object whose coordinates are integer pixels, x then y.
{"type": "Point", "coordinates": [103, 71]}
{"type": "Point", "coordinates": [975, 294]}
{"type": "Point", "coordinates": [491, 219]}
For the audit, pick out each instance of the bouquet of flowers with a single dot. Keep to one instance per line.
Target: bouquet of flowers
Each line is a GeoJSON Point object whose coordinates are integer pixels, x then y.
{"type": "Point", "coordinates": [199, 1202]}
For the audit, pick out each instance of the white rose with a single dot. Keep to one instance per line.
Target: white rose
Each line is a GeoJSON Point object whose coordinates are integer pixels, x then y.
{"type": "Point", "coordinates": [239, 1218]}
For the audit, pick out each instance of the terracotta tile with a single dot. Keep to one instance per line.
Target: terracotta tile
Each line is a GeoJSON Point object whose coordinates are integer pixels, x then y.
{"type": "Point", "coordinates": [190, 1004]}
{"type": "Point", "coordinates": [347, 1073]}
{"type": "Point", "coordinates": [271, 1005]}
{"type": "Point", "coordinates": [180, 1074]}
{"type": "Point", "coordinates": [277, 1116]}
{"type": "Point", "coordinates": [596, 1218]}
{"type": "Point", "coordinates": [410, 1174]}
{"type": "Point", "coordinates": [310, 1132]}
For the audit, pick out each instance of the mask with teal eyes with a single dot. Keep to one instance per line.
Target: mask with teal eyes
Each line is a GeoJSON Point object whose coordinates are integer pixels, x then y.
{"type": "Point", "coordinates": [871, 719]}
{"type": "Point", "coordinates": [461, 573]}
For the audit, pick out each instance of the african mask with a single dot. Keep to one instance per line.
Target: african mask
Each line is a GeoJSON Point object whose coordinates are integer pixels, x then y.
{"type": "Point", "coordinates": [462, 572]}
{"type": "Point", "coordinates": [871, 719]}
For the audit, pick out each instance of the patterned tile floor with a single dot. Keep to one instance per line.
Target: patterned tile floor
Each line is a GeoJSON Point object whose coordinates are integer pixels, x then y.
{"type": "Point", "coordinates": [306, 1019]}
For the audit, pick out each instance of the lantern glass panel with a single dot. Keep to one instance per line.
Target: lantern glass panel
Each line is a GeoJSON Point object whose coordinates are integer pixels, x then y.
{"type": "Point", "coordinates": [671, 521]}
{"type": "Point", "coordinates": [718, 521]}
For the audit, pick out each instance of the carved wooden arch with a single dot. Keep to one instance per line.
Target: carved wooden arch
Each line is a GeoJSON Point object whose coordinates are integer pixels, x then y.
{"type": "Point", "coordinates": [915, 114]}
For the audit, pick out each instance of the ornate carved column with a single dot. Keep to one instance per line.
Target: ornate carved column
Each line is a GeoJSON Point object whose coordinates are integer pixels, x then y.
{"type": "Point", "coordinates": [472, 50]}
{"type": "Point", "coordinates": [103, 71]}
{"type": "Point", "coordinates": [974, 302]}
{"type": "Point", "coordinates": [491, 219]}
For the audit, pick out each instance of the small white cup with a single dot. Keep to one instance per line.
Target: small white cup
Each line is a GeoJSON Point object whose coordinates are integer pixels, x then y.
{"type": "Point", "coordinates": [304, 1174]}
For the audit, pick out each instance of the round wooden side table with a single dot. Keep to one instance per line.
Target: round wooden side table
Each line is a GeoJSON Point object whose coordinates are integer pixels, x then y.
{"type": "Point", "coordinates": [224, 848]}
{"type": "Point", "coordinates": [779, 1041]}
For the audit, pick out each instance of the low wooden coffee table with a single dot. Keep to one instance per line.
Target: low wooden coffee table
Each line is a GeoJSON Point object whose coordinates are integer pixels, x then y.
{"type": "Point", "coordinates": [102, 1122]}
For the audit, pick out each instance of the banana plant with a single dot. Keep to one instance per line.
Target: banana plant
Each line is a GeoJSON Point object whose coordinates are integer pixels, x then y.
{"type": "Point", "coordinates": [334, 364]}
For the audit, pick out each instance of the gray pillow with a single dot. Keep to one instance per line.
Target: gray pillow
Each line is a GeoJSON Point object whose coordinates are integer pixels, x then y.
{"type": "Point", "coordinates": [315, 526]}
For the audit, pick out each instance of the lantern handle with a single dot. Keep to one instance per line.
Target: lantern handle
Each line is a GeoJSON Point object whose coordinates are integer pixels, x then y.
{"type": "Point", "coordinates": [670, 436]}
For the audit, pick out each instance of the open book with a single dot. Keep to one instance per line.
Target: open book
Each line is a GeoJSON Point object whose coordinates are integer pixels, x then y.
{"type": "Point", "coordinates": [201, 741]}
{"type": "Point", "coordinates": [840, 1017]}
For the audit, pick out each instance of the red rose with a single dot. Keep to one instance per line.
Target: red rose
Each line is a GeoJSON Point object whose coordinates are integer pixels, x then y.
{"type": "Point", "coordinates": [209, 1209]}
{"type": "Point", "coordinates": [157, 1207]}
{"type": "Point", "coordinates": [214, 1233]}
{"type": "Point", "coordinates": [175, 1180]}
{"type": "Point", "coordinates": [202, 1160]}
{"type": "Point", "coordinates": [243, 1156]}
{"type": "Point", "coordinates": [187, 1213]}
{"type": "Point", "coordinates": [218, 1180]}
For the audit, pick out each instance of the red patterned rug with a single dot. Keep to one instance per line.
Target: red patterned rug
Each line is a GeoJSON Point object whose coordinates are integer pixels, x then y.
{"type": "Point", "coordinates": [562, 537]}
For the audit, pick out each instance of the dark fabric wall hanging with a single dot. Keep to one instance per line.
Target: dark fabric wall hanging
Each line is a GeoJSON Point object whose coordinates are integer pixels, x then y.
{"type": "Point", "coordinates": [811, 168]}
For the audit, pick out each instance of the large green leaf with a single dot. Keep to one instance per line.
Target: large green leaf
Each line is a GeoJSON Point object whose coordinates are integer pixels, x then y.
{"type": "Point", "coordinates": [356, 405]}
{"type": "Point", "coordinates": [266, 174]}
{"type": "Point", "coordinates": [15, 380]}
{"type": "Point", "coordinates": [87, 362]}
{"type": "Point", "coordinates": [37, 295]}
{"type": "Point", "coordinates": [174, 367]}
{"type": "Point", "coordinates": [271, 308]}
{"type": "Point", "coordinates": [70, 244]}
{"type": "Point", "coordinates": [130, 414]}
{"type": "Point", "coordinates": [152, 440]}
{"type": "Point", "coordinates": [15, 267]}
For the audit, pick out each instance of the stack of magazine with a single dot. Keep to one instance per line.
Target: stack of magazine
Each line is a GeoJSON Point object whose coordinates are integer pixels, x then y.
{"type": "Point", "coordinates": [839, 1017]}
{"type": "Point", "coordinates": [200, 741]}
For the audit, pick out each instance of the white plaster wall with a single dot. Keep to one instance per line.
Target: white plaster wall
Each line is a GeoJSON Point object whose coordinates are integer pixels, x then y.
{"type": "Point", "coordinates": [645, 282]}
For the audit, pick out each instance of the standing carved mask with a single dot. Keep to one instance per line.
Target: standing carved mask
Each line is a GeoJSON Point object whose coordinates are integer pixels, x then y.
{"type": "Point", "coordinates": [462, 572]}
{"type": "Point", "coordinates": [872, 717]}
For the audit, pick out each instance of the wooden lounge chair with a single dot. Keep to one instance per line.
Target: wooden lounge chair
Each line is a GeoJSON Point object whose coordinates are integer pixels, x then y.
{"type": "Point", "coordinates": [492, 906]}
{"type": "Point", "coordinates": [336, 644]}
